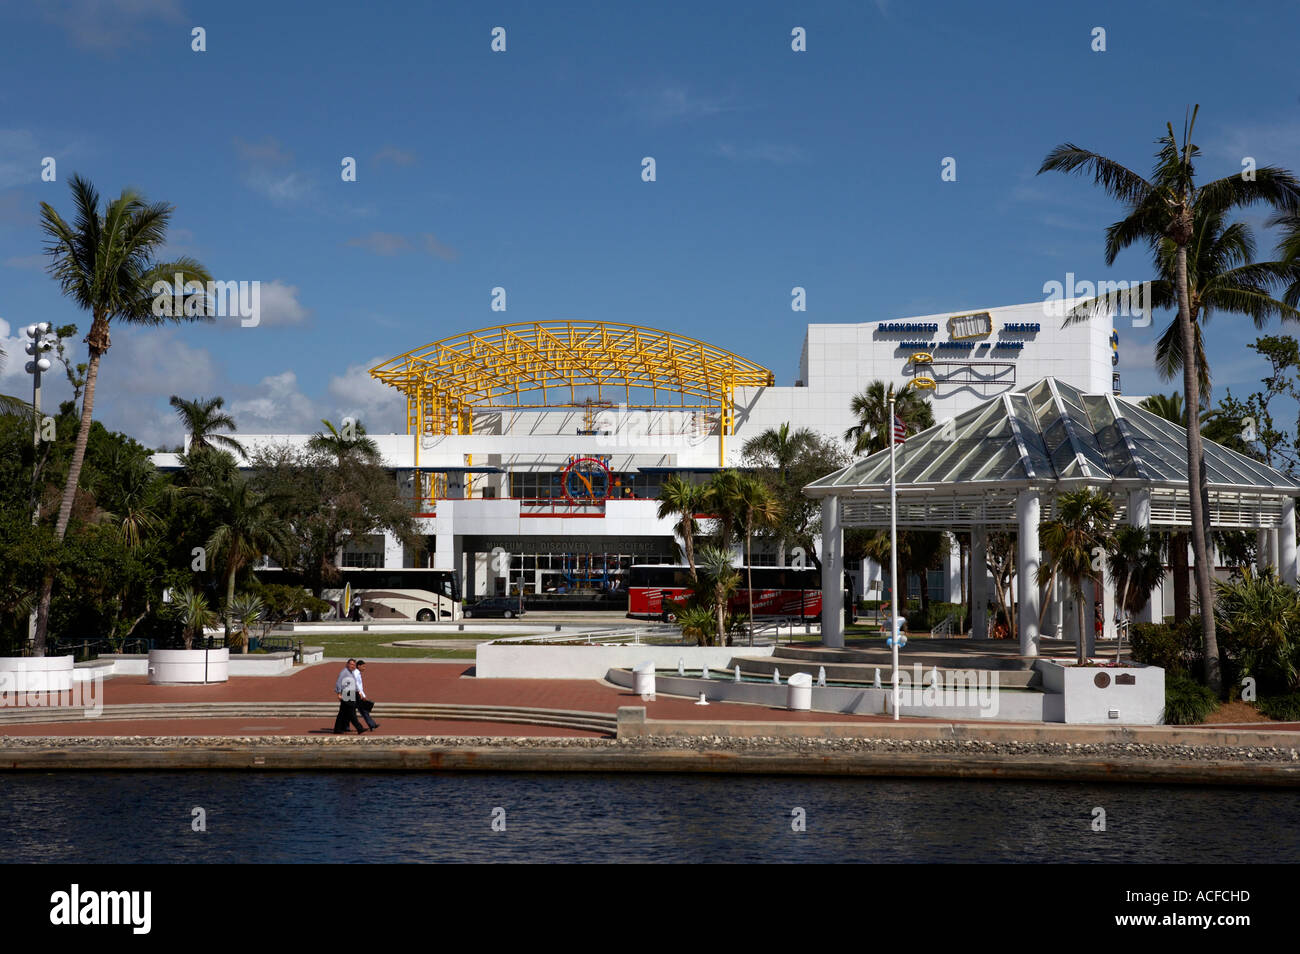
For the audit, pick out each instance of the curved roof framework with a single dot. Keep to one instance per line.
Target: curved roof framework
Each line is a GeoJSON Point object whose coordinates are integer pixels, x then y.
{"type": "Point", "coordinates": [1053, 437]}
{"type": "Point", "coordinates": [548, 364]}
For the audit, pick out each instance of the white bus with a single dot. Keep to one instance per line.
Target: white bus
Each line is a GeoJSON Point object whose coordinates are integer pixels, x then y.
{"type": "Point", "coordinates": [415, 594]}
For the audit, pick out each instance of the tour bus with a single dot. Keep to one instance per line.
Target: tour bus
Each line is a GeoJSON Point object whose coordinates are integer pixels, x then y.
{"type": "Point", "coordinates": [412, 593]}
{"type": "Point", "coordinates": [653, 589]}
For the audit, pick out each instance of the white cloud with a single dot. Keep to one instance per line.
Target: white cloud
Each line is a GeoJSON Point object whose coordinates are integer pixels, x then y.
{"type": "Point", "coordinates": [358, 395]}
{"type": "Point", "coordinates": [673, 103]}
{"type": "Point", "coordinates": [382, 243]}
{"type": "Point", "coordinates": [280, 305]}
{"type": "Point", "coordinates": [276, 406]}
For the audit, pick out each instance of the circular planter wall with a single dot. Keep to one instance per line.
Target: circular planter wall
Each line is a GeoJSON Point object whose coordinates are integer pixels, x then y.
{"type": "Point", "coordinates": [35, 673]}
{"type": "Point", "coordinates": [188, 665]}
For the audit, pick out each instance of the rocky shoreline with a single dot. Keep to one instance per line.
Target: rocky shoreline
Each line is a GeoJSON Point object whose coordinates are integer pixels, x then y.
{"type": "Point", "coordinates": [768, 746]}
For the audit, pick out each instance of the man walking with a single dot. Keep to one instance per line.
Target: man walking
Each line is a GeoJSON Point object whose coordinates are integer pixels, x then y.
{"type": "Point", "coordinates": [364, 704]}
{"type": "Point", "coordinates": [345, 687]}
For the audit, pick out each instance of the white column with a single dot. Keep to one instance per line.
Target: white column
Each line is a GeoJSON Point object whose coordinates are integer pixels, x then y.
{"type": "Point", "coordinates": [832, 574]}
{"type": "Point", "coordinates": [979, 578]}
{"type": "Point", "coordinates": [394, 551]}
{"type": "Point", "coordinates": [1261, 550]}
{"type": "Point", "coordinates": [953, 565]}
{"type": "Point", "coordinates": [1139, 515]}
{"type": "Point", "coordinates": [1027, 515]}
{"type": "Point", "coordinates": [444, 552]}
{"type": "Point", "coordinates": [1286, 542]}
{"type": "Point", "coordinates": [1273, 560]}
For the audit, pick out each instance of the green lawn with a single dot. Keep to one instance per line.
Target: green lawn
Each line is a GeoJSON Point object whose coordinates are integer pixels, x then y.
{"type": "Point", "coordinates": [371, 645]}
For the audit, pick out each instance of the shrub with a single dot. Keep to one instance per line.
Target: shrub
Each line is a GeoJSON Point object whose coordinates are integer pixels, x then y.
{"type": "Point", "coordinates": [1258, 621]}
{"type": "Point", "coordinates": [941, 611]}
{"type": "Point", "coordinates": [1281, 708]}
{"type": "Point", "coordinates": [1174, 647]}
{"type": "Point", "coordinates": [1187, 702]}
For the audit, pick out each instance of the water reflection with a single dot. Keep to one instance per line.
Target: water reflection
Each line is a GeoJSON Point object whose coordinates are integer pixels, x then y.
{"type": "Point", "coordinates": [300, 817]}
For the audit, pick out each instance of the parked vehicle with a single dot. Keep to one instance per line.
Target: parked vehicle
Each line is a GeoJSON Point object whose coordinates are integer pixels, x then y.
{"type": "Point", "coordinates": [504, 606]}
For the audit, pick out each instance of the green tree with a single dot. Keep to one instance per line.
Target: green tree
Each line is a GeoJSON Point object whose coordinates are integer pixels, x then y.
{"type": "Point", "coordinates": [1080, 531]}
{"type": "Point", "coordinates": [106, 263]}
{"type": "Point", "coordinates": [719, 581]}
{"type": "Point", "coordinates": [202, 418]}
{"type": "Point", "coordinates": [246, 527]}
{"type": "Point", "coordinates": [680, 498]}
{"type": "Point", "coordinates": [871, 408]}
{"type": "Point", "coordinates": [1162, 214]}
{"type": "Point", "coordinates": [348, 443]}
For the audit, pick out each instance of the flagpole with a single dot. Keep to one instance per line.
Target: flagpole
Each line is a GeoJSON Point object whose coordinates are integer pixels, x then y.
{"type": "Point", "coordinates": [893, 550]}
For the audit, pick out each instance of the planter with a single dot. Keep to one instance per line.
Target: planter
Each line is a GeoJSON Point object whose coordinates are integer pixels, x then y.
{"type": "Point", "coordinates": [36, 673]}
{"type": "Point", "coordinates": [1097, 694]}
{"type": "Point", "coordinates": [172, 666]}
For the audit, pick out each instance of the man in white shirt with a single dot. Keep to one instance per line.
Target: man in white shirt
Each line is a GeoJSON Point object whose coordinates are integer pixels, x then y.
{"type": "Point", "coordinates": [346, 688]}
{"type": "Point", "coordinates": [364, 704]}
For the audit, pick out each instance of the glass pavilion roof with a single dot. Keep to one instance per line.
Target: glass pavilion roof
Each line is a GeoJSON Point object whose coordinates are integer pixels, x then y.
{"type": "Point", "coordinates": [1049, 432]}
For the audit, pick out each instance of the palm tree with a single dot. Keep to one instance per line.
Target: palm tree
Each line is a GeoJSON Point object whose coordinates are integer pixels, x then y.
{"type": "Point", "coordinates": [246, 608]}
{"type": "Point", "coordinates": [779, 447]}
{"type": "Point", "coordinates": [1165, 210]}
{"type": "Point", "coordinates": [191, 609]}
{"type": "Point", "coordinates": [1071, 540]}
{"type": "Point", "coordinates": [720, 581]}
{"type": "Point", "coordinates": [680, 498]}
{"type": "Point", "coordinates": [1222, 276]}
{"type": "Point", "coordinates": [1137, 567]}
{"type": "Point", "coordinates": [871, 408]}
{"type": "Point", "coordinates": [106, 263]}
{"type": "Point", "coordinates": [247, 527]}
{"type": "Point", "coordinates": [343, 447]}
{"type": "Point", "coordinates": [753, 507]}
{"type": "Point", "coordinates": [201, 418]}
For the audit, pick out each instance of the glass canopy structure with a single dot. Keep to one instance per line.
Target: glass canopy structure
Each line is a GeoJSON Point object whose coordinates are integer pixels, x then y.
{"type": "Point", "coordinates": [1004, 463]}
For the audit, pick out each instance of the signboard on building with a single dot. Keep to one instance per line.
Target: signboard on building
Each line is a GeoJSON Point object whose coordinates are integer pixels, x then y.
{"type": "Point", "coordinates": [976, 325]}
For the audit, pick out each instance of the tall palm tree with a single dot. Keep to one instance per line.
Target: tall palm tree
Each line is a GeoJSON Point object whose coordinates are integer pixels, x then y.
{"type": "Point", "coordinates": [754, 507]}
{"type": "Point", "coordinates": [106, 263]}
{"type": "Point", "coordinates": [1082, 525]}
{"type": "Point", "coordinates": [246, 527]}
{"type": "Point", "coordinates": [680, 498]}
{"type": "Point", "coordinates": [343, 447]}
{"type": "Point", "coordinates": [871, 408]}
{"type": "Point", "coordinates": [201, 418]}
{"type": "Point", "coordinates": [1221, 276]}
{"type": "Point", "coordinates": [1164, 210]}
{"type": "Point", "coordinates": [783, 455]}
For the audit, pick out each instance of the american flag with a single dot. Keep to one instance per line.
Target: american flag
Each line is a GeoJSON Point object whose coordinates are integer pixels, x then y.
{"type": "Point", "coordinates": [900, 430]}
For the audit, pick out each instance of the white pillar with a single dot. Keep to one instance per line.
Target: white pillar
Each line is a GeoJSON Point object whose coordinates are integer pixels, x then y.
{"type": "Point", "coordinates": [1262, 555]}
{"type": "Point", "coordinates": [979, 578]}
{"type": "Point", "coordinates": [832, 574]}
{"type": "Point", "coordinates": [1139, 515]}
{"type": "Point", "coordinates": [394, 551]}
{"type": "Point", "coordinates": [953, 594]}
{"type": "Point", "coordinates": [1027, 515]}
{"type": "Point", "coordinates": [444, 551]}
{"type": "Point", "coordinates": [1286, 542]}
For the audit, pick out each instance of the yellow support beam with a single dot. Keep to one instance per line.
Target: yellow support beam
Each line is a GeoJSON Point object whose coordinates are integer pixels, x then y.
{"type": "Point", "coordinates": [544, 364]}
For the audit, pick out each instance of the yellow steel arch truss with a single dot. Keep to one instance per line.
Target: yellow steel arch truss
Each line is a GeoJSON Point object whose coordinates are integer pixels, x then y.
{"type": "Point", "coordinates": [547, 364]}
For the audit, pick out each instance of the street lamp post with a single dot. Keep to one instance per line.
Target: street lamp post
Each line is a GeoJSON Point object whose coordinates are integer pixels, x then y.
{"type": "Point", "coordinates": [893, 555]}
{"type": "Point", "coordinates": [40, 343]}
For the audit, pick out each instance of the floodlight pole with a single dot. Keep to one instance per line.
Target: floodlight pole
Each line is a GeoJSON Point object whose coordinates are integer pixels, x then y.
{"type": "Point", "coordinates": [893, 551]}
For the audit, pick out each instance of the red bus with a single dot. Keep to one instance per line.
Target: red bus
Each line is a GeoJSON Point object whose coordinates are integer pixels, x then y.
{"type": "Point", "coordinates": [778, 591]}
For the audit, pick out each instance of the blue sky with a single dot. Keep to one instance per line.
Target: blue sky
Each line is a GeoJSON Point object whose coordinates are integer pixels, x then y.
{"type": "Point", "coordinates": [522, 169]}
